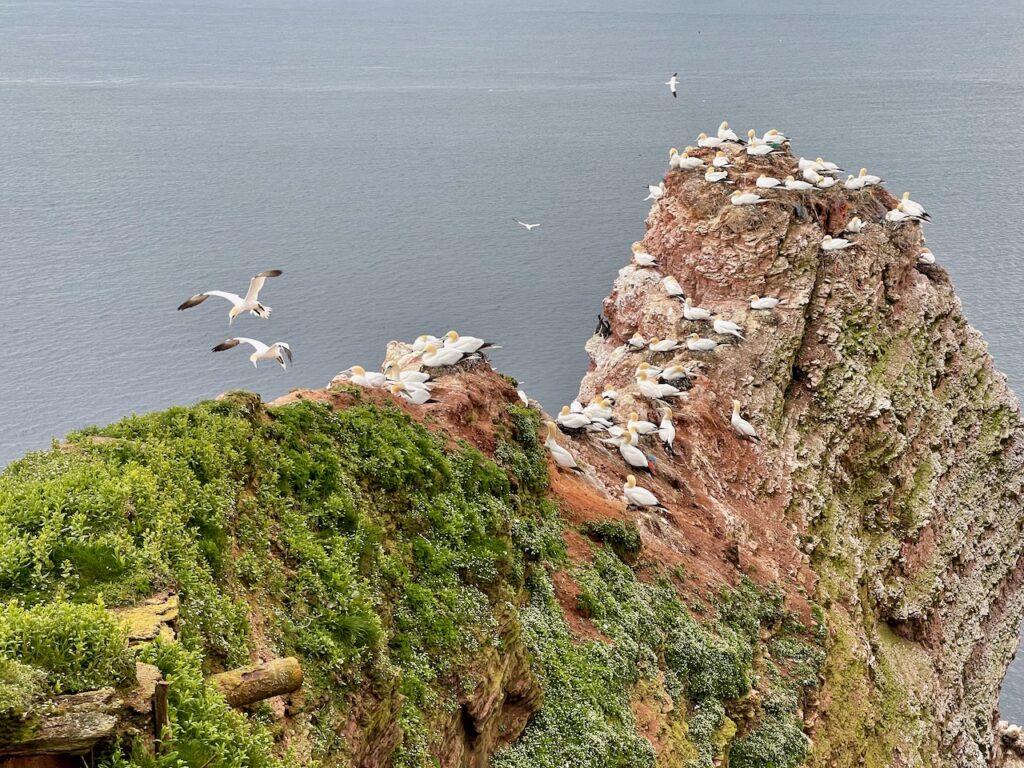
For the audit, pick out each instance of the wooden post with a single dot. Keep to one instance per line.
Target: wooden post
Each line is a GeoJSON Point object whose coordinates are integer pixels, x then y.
{"type": "Point", "coordinates": [161, 722]}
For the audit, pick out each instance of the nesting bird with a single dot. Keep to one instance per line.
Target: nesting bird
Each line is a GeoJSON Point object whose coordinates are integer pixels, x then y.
{"type": "Point", "coordinates": [742, 427]}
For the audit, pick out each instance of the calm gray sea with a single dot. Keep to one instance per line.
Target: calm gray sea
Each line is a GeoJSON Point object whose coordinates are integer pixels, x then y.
{"type": "Point", "coordinates": [376, 151]}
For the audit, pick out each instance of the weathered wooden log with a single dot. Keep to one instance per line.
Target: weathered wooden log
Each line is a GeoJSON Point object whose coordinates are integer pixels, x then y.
{"type": "Point", "coordinates": [259, 681]}
{"type": "Point", "coordinates": [73, 725]}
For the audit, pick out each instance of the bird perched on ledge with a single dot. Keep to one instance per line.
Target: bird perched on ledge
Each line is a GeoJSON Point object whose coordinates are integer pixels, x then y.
{"type": "Point", "coordinates": [640, 497]}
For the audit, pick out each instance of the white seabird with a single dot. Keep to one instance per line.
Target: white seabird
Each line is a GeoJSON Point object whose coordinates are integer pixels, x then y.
{"type": "Point", "coordinates": [725, 133]}
{"type": "Point", "coordinates": [675, 373]}
{"type": "Point", "coordinates": [796, 185]}
{"type": "Point", "coordinates": [926, 256]}
{"type": "Point", "coordinates": [728, 327]}
{"type": "Point", "coordinates": [825, 182]}
{"type": "Point", "coordinates": [683, 161]}
{"type": "Point", "coordinates": [639, 426]}
{"type": "Point", "coordinates": [746, 198]}
{"type": "Point", "coordinates": [715, 175]}
{"type": "Point", "coordinates": [914, 209]}
{"type": "Point", "coordinates": [760, 150]}
{"type": "Point", "coordinates": [417, 395]}
{"type": "Point", "coordinates": [642, 258]}
{"type": "Point", "coordinates": [278, 351]}
{"type": "Point", "coordinates": [654, 390]}
{"type": "Point", "coordinates": [433, 357]}
{"type": "Point", "coordinates": [523, 398]}
{"type": "Point", "coordinates": [853, 183]}
{"type": "Point", "coordinates": [854, 226]}
{"type": "Point", "coordinates": [640, 497]}
{"type": "Point", "coordinates": [561, 456]}
{"type": "Point", "coordinates": [897, 215]}
{"type": "Point", "coordinates": [421, 342]}
{"type": "Point", "coordinates": [672, 83]}
{"type": "Point", "coordinates": [774, 137]}
{"type": "Point", "coordinates": [667, 430]}
{"type": "Point", "coordinates": [708, 142]}
{"type": "Point", "coordinates": [764, 302]}
{"type": "Point", "coordinates": [569, 420]}
{"type": "Point", "coordinates": [631, 454]}
{"type": "Point", "coordinates": [663, 345]}
{"type": "Point", "coordinates": [767, 182]}
{"type": "Point", "coordinates": [836, 243]}
{"type": "Point", "coordinates": [868, 179]}
{"type": "Point", "coordinates": [656, 193]}
{"type": "Point", "coordinates": [524, 224]}
{"type": "Point", "coordinates": [359, 375]}
{"type": "Point", "coordinates": [695, 343]}
{"type": "Point", "coordinates": [250, 303]}
{"type": "Point", "coordinates": [467, 345]}
{"type": "Point", "coordinates": [598, 409]}
{"type": "Point", "coordinates": [691, 312]}
{"type": "Point", "coordinates": [636, 342]}
{"type": "Point", "coordinates": [394, 373]}
{"type": "Point", "coordinates": [743, 427]}
{"type": "Point", "coordinates": [672, 287]}
{"type": "Point", "coordinates": [721, 160]}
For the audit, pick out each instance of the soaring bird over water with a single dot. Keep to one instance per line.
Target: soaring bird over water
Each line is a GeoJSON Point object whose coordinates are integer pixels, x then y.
{"type": "Point", "coordinates": [277, 351]}
{"type": "Point", "coordinates": [524, 224]}
{"type": "Point", "coordinates": [672, 83]}
{"type": "Point", "coordinates": [238, 304]}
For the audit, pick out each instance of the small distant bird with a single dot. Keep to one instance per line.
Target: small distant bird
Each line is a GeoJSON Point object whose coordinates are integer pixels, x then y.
{"type": "Point", "coordinates": [914, 209]}
{"type": "Point", "coordinates": [277, 351]}
{"type": "Point", "coordinates": [836, 243]}
{"type": "Point", "coordinates": [746, 198]}
{"type": "Point", "coordinates": [672, 83]}
{"type": "Point", "coordinates": [742, 427]}
{"type": "Point", "coordinates": [764, 302]}
{"type": "Point", "coordinates": [715, 175]}
{"type": "Point", "coordinates": [728, 327]}
{"type": "Point", "coordinates": [562, 457]}
{"type": "Point", "coordinates": [415, 394]}
{"type": "Point", "coordinates": [691, 312]}
{"type": "Point", "coordinates": [639, 497]}
{"type": "Point", "coordinates": [524, 224]}
{"type": "Point", "coordinates": [767, 182]}
{"type": "Point", "coordinates": [467, 345]}
{"type": "Point", "coordinates": [364, 378]}
{"type": "Point", "coordinates": [672, 287]}
{"type": "Point", "coordinates": [926, 257]}
{"type": "Point", "coordinates": [695, 343]}
{"type": "Point", "coordinates": [642, 258]}
{"type": "Point", "coordinates": [854, 226]}
{"type": "Point", "coordinates": [433, 357]}
{"type": "Point", "coordinates": [667, 430]}
{"type": "Point", "coordinates": [238, 304]}
{"type": "Point", "coordinates": [655, 193]}
{"type": "Point", "coordinates": [796, 184]}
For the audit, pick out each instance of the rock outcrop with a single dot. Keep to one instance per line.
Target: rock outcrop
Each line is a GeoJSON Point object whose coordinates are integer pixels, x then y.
{"type": "Point", "coordinates": [886, 488]}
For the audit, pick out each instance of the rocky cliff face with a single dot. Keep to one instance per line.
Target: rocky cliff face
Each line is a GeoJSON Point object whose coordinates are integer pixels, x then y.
{"type": "Point", "coordinates": [844, 592]}
{"type": "Point", "coordinates": [886, 488]}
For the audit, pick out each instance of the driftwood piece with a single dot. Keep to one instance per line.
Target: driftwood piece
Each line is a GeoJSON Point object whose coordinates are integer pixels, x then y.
{"type": "Point", "coordinates": [259, 681]}
{"type": "Point", "coordinates": [73, 725]}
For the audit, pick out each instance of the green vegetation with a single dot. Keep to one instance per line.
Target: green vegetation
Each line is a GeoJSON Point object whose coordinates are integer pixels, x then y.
{"type": "Point", "coordinates": [387, 558]}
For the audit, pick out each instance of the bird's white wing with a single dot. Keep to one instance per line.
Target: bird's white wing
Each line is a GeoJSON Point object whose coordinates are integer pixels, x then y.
{"type": "Point", "coordinates": [199, 298]}
{"type": "Point", "coordinates": [259, 346]}
{"type": "Point", "coordinates": [645, 497]}
{"type": "Point", "coordinates": [256, 284]}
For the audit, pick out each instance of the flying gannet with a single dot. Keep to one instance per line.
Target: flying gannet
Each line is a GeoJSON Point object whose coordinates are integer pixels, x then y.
{"type": "Point", "coordinates": [728, 327]}
{"type": "Point", "coordinates": [743, 427]}
{"type": "Point", "coordinates": [672, 83]}
{"type": "Point", "coordinates": [239, 304]}
{"type": "Point", "coordinates": [691, 312]}
{"type": "Point", "coordinates": [524, 224]}
{"type": "Point", "coordinates": [562, 457]}
{"type": "Point", "coordinates": [836, 243]}
{"type": "Point", "coordinates": [640, 497]}
{"type": "Point", "coordinates": [278, 351]}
